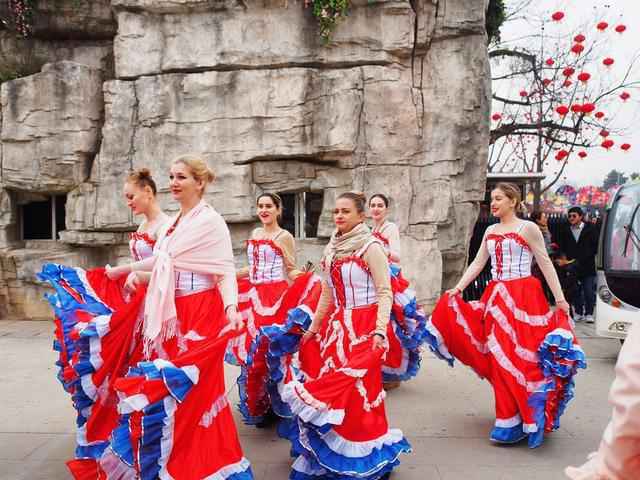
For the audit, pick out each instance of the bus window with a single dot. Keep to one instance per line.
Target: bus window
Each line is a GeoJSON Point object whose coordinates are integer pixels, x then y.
{"type": "Point", "coordinates": [622, 242]}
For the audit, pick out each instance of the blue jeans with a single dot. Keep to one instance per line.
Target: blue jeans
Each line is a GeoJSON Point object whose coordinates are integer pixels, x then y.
{"type": "Point", "coordinates": [585, 296]}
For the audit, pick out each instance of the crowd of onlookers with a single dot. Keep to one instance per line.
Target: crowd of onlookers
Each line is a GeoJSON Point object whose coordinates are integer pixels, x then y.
{"type": "Point", "coordinates": [573, 250]}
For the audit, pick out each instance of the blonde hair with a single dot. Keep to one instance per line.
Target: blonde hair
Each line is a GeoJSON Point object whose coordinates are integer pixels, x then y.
{"type": "Point", "coordinates": [512, 192]}
{"type": "Point", "coordinates": [142, 178]}
{"type": "Point", "coordinates": [199, 168]}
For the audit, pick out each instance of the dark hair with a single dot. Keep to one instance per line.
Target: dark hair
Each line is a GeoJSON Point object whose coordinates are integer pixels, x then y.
{"type": "Point", "coordinates": [536, 215]}
{"type": "Point", "coordinates": [273, 196]}
{"type": "Point", "coordinates": [380, 196]}
{"type": "Point", "coordinates": [358, 198]}
{"type": "Point", "coordinates": [142, 178]}
{"type": "Point", "coordinates": [577, 210]}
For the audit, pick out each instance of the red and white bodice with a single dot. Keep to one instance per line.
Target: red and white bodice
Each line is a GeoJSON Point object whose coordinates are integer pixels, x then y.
{"type": "Point", "coordinates": [141, 245]}
{"type": "Point", "coordinates": [511, 256]}
{"type": "Point", "coordinates": [351, 281]}
{"type": "Point", "coordinates": [266, 262]}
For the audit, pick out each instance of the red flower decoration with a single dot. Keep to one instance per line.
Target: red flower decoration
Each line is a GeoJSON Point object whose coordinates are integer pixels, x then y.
{"type": "Point", "coordinates": [584, 77]}
{"type": "Point", "coordinates": [621, 28]}
{"type": "Point", "coordinates": [604, 133]}
{"type": "Point", "coordinates": [567, 83]}
{"type": "Point", "coordinates": [625, 146]}
{"type": "Point", "coordinates": [546, 82]}
{"type": "Point", "coordinates": [557, 16]}
{"type": "Point", "coordinates": [523, 93]}
{"type": "Point", "coordinates": [582, 154]}
{"type": "Point", "coordinates": [561, 155]}
{"type": "Point", "coordinates": [567, 72]}
{"type": "Point", "coordinates": [588, 108]}
{"type": "Point", "coordinates": [607, 62]}
{"type": "Point", "coordinates": [577, 48]}
{"type": "Point", "coordinates": [496, 116]}
{"type": "Point", "coordinates": [599, 115]}
{"type": "Point", "coordinates": [549, 61]}
{"type": "Point", "coordinates": [625, 96]}
{"type": "Point", "coordinates": [602, 26]}
{"type": "Point", "coordinates": [562, 110]}
{"type": "Point", "coordinates": [607, 144]}
{"type": "Point", "coordinates": [579, 38]}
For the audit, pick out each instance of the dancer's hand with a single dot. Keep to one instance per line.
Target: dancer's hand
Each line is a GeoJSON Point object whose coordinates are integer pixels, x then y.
{"type": "Point", "coordinates": [452, 292]}
{"type": "Point", "coordinates": [132, 282]}
{"type": "Point", "coordinates": [234, 319]}
{"type": "Point", "coordinates": [116, 272]}
{"type": "Point", "coordinates": [379, 341]}
{"type": "Point", "coordinates": [564, 306]}
{"type": "Point", "coordinates": [313, 330]}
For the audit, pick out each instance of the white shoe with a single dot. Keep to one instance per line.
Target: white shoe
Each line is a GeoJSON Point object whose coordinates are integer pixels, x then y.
{"type": "Point", "coordinates": [589, 319]}
{"type": "Point", "coordinates": [578, 318]}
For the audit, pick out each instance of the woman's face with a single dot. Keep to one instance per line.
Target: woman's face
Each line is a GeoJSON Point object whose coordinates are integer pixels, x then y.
{"type": "Point", "coordinates": [377, 209]}
{"type": "Point", "coordinates": [501, 205]}
{"type": "Point", "coordinates": [346, 215]}
{"type": "Point", "coordinates": [543, 219]}
{"type": "Point", "coordinates": [139, 199]}
{"type": "Point", "coordinates": [184, 186]}
{"type": "Point", "coordinates": [267, 210]}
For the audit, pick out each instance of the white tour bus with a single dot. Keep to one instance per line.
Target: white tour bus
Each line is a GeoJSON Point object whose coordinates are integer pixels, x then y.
{"type": "Point", "coordinates": [618, 265]}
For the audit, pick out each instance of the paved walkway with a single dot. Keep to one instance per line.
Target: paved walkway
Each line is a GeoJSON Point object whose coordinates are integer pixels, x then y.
{"type": "Point", "coordinates": [446, 413]}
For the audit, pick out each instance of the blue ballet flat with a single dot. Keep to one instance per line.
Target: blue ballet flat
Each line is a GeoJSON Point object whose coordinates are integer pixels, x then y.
{"type": "Point", "coordinates": [508, 435]}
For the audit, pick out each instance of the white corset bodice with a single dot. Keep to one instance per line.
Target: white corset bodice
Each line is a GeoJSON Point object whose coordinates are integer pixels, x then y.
{"type": "Point", "coordinates": [140, 245]}
{"type": "Point", "coordinates": [266, 262]}
{"type": "Point", "coordinates": [511, 256]}
{"type": "Point", "coordinates": [352, 283]}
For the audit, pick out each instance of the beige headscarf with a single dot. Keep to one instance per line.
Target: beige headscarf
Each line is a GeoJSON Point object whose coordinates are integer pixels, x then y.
{"type": "Point", "coordinates": [342, 245]}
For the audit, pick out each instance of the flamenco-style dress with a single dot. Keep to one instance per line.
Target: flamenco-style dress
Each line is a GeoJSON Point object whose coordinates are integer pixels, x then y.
{"type": "Point", "coordinates": [97, 337]}
{"type": "Point", "coordinates": [407, 329]}
{"type": "Point", "coordinates": [176, 421]}
{"type": "Point", "coordinates": [528, 352]}
{"type": "Point", "coordinates": [339, 429]}
{"type": "Point", "coordinates": [271, 307]}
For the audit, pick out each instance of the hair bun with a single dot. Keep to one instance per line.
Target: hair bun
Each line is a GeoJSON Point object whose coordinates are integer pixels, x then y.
{"type": "Point", "coordinates": [144, 173]}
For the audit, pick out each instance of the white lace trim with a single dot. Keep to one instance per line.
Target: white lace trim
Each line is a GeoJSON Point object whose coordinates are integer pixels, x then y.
{"type": "Point", "coordinates": [302, 465]}
{"type": "Point", "coordinates": [519, 314]}
{"type": "Point", "coordinates": [508, 422]}
{"type": "Point", "coordinates": [308, 408]}
{"type": "Point", "coordinates": [362, 390]}
{"type": "Point", "coordinates": [504, 324]}
{"type": "Point", "coordinates": [217, 406]}
{"type": "Point", "coordinates": [166, 442]}
{"type": "Point", "coordinates": [441, 345]}
{"type": "Point", "coordinates": [253, 297]}
{"type": "Point", "coordinates": [351, 449]}
{"type": "Point", "coordinates": [462, 321]}
{"type": "Point", "coordinates": [506, 364]}
{"type": "Point", "coordinates": [228, 470]}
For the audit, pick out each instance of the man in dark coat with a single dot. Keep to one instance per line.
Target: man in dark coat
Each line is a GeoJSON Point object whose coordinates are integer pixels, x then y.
{"type": "Point", "coordinates": [579, 240]}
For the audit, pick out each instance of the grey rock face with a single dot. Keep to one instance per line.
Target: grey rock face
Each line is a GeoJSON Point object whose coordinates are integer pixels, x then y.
{"type": "Point", "coordinates": [396, 103]}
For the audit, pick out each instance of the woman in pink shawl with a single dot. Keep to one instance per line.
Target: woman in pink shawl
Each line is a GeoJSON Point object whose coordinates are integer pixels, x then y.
{"type": "Point", "coordinates": [176, 421]}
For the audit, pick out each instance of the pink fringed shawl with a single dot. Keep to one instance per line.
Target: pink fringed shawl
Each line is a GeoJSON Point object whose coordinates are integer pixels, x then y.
{"type": "Point", "coordinates": [200, 243]}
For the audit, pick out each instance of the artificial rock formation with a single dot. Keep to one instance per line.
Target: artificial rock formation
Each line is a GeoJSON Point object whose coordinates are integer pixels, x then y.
{"type": "Point", "coordinates": [396, 103]}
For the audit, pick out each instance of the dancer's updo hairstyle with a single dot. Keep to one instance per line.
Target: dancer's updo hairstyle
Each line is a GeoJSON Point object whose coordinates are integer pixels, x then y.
{"type": "Point", "coordinates": [142, 178]}
{"type": "Point", "coordinates": [382, 197]}
{"type": "Point", "coordinates": [275, 198]}
{"type": "Point", "coordinates": [198, 167]}
{"type": "Point", "coordinates": [358, 198]}
{"type": "Point", "coordinates": [512, 192]}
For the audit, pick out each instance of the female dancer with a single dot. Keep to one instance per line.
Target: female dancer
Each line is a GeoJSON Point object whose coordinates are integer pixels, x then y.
{"type": "Point", "coordinates": [265, 298]}
{"type": "Point", "coordinates": [340, 429]}
{"type": "Point", "coordinates": [98, 325]}
{"type": "Point", "coordinates": [176, 421]}
{"type": "Point", "coordinates": [511, 337]}
{"type": "Point", "coordinates": [407, 328]}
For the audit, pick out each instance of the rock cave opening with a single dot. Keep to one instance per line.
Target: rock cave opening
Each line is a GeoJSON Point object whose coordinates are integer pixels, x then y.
{"type": "Point", "coordinates": [42, 217]}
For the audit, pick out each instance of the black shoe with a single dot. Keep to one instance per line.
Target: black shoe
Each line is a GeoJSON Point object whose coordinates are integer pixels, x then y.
{"type": "Point", "coordinates": [268, 420]}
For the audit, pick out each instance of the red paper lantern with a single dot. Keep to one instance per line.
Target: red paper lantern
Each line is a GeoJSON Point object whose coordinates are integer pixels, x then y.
{"type": "Point", "coordinates": [523, 93]}
{"type": "Point", "coordinates": [584, 77]}
{"type": "Point", "coordinates": [576, 108]}
{"type": "Point", "coordinates": [604, 133]}
{"type": "Point", "coordinates": [621, 28]}
{"type": "Point", "coordinates": [557, 16]}
{"type": "Point", "coordinates": [577, 48]}
{"type": "Point", "coordinates": [561, 155]}
{"type": "Point", "coordinates": [607, 62]}
{"type": "Point", "coordinates": [549, 61]}
{"type": "Point", "coordinates": [562, 110]}
{"type": "Point", "coordinates": [567, 72]}
{"type": "Point", "coordinates": [546, 82]}
{"type": "Point", "coordinates": [602, 26]}
{"type": "Point", "coordinates": [588, 108]}
{"type": "Point", "coordinates": [579, 38]}
{"type": "Point", "coordinates": [599, 115]}
{"type": "Point", "coordinates": [625, 146]}
{"type": "Point", "coordinates": [607, 144]}
{"type": "Point", "coordinates": [624, 96]}
{"type": "Point", "coordinates": [567, 83]}
{"type": "Point", "coordinates": [582, 154]}
{"type": "Point", "coordinates": [496, 116]}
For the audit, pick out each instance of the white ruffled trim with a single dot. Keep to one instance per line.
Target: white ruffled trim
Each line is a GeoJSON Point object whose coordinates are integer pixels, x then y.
{"type": "Point", "coordinates": [404, 363]}
{"type": "Point", "coordinates": [519, 314]}
{"type": "Point", "coordinates": [508, 422]}
{"type": "Point", "coordinates": [462, 321]}
{"type": "Point", "coordinates": [132, 403]}
{"type": "Point", "coordinates": [506, 364]}
{"type": "Point", "coordinates": [362, 390]}
{"type": "Point", "coordinates": [529, 427]}
{"type": "Point", "coordinates": [217, 406]}
{"type": "Point", "coordinates": [302, 465]}
{"type": "Point", "coordinates": [308, 408]}
{"type": "Point", "coordinates": [351, 449]}
{"type": "Point", "coordinates": [503, 323]}
{"type": "Point", "coordinates": [228, 470]}
{"type": "Point", "coordinates": [442, 346]}
{"type": "Point", "coordinates": [166, 442]}
{"type": "Point", "coordinates": [253, 297]}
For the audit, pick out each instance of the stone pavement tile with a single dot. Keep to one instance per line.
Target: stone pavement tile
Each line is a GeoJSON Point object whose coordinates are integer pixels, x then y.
{"type": "Point", "coordinates": [57, 447]}
{"type": "Point", "coordinates": [280, 471]}
{"type": "Point", "coordinates": [265, 448]}
{"type": "Point", "coordinates": [474, 472]}
{"type": "Point", "coordinates": [26, 329]}
{"type": "Point", "coordinates": [18, 446]}
{"type": "Point", "coordinates": [41, 470]}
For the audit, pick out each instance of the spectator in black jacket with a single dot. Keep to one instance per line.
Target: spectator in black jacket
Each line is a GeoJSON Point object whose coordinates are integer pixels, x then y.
{"type": "Point", "coordinates": [579, 240]}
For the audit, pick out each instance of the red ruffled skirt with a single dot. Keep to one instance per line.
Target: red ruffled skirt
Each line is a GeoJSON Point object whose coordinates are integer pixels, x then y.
{"type": "Point", "coordinates": [528, 353]}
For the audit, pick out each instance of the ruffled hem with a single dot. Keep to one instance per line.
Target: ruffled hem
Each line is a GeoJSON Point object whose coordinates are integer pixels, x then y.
{"type": "Point", "coordinates": [328, 455]}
